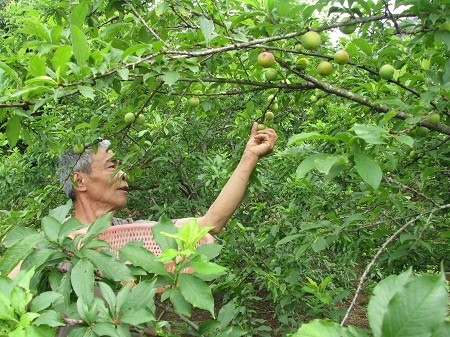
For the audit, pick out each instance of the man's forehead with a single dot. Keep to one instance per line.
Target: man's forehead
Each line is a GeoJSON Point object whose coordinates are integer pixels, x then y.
{"type": "Point", "coordinates": [103, 155]}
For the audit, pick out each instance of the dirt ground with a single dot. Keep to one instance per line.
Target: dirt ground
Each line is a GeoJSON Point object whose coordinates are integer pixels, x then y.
{"type": "Point", "coordinates": [265, 311]}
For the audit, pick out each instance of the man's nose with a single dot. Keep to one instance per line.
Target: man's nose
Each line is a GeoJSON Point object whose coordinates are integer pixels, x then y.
{"type": "Point", "coordinates": [123, 175]}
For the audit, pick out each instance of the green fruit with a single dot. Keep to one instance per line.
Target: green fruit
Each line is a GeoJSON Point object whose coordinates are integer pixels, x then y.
{"type": "Point", "coordinates": [78, 148]}
{"type": "Point", "coordinates": [324, 68]}
{"type": "Point", "coordinates": [274, 107]}
{"type": "Point", "coordinates": [434, 118]}
{"type": "Point", "coordinates": [129, 117]}
{"type": "Point", "coordinates": [271, 98]}
{"type": "Point", "coordinates": [266, 59]}
{"type": "Point", "coordinates": [298, 46]}
{"type": "Point", "coordinates": [349, 28]}
{"type": "Point", "coordinates": [387, 72]}
{"type": "Point", "coordinates": [341, 57]}
{"type": "Point", "coordinates": [261, 127]}
{"type": "Point", "coordinates": [194, 102]}
{"type": "Point", "coordinates": [313, 98]}
{"type": "Point", "coordinates": [445, 26]}
{"type": "Point", "coordinates": [140, 119]}
{"type": "Point", "coordinates": [301, 63]}
{"type": "Point", "coordinates": [271, 74]}
{"type": "Point", "coordinates": [310, 40]}
{"type": "Point", "coordinates": [422, 131]}
{"type": "Point", "coordinates": [269, 116]}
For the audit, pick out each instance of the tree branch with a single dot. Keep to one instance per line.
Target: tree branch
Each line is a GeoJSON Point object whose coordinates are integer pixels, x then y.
{"type": "Point", "coordinates": [378, 253]}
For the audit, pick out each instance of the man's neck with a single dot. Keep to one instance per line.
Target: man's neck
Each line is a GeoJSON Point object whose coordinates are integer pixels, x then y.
{"type": "Point", "coordinates": [87, 213]}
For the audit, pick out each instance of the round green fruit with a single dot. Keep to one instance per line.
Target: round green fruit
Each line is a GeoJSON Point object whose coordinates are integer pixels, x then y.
{"type": "Point", "coordinates": [301, 63]}
{"type": "Point", "coordinates": [261, 127]}
{"type": "Point", "coordinates": [274, 106]}
{"type": "Point", "coordinates": [271, 98]}
{"type": "Point", "coordinates": [298, 46]}
{"type": "Point", "coordinates": [266, 59]}
{"type": "Point", "coordinates": [269, 116]}
{"type": "Point", "coordinates": [386, 72]}
{"type": "Point", "coordinates": [324, 68]}
{"type": "Point", "coordinates": [434, 118]}
{"type": "Point", "coordinates": [310, 40]}
{"type": "Point", "coordinates": [422, 131]}
{"type": "Point", "coordinates": [129, 117]}
{"type": "Point", "coordinates": [271, 74]}
{"type": "Point", "coordinates": [194, 102]}
{"type": "Point", "coordinates": [78, 148]}
{"type": "Point", "coordinates": [140, 119]}
{"type": "Point", "coordinates": [313, 98]}
{"type": "Point", "coordinates": [348, 29]}
{"type": "Point", "coordinates": [341, 57]}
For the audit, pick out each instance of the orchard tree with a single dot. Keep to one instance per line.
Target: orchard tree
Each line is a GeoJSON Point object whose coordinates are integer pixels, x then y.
{"type": "Point", "coordinates": [358, 92]}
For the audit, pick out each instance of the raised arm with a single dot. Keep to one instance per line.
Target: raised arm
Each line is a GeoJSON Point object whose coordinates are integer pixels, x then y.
{"type": "Point", "coordinates": [229, 198]}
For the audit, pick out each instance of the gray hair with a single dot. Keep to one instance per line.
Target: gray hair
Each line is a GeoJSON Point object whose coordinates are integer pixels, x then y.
{"type": "Point", "coordinates": [71, 162]}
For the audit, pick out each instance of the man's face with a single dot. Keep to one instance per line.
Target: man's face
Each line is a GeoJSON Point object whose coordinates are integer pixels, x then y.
{"type": "Point", "coordinates": [106, 188]}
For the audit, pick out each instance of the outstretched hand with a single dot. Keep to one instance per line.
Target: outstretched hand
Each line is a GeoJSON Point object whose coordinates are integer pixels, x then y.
{"type": "Point", "coordinates": [261, 142]}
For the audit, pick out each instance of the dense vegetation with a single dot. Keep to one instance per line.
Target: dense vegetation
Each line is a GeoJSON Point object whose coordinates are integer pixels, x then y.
{"type": "Point", "coordinates": [356, 190]}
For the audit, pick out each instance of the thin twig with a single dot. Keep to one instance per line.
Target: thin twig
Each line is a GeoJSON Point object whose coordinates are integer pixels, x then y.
{"type": "Point", "coordinates": [377, 255]}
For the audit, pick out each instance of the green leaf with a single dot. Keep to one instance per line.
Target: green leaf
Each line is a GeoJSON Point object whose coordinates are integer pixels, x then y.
{"type": "Point", "coordinates": [368, 169]}
{"type": "Point", "coordinates": [319, 328]}
{"type": "Point", "coordinates": [417, 308]}
{"type": "Point", "coordinates": [404, 139]}
{"type": "Point", "coordinates": [108, 295]}
{"type": "Point", "coordinates": [80, 45]}
{"type": "Point", "coordinates": [308, 164]}
{"type": "Point", "coordinates": [142, 294]}
{"type": "Point", "coordinates": [137, 316]}
{"type": "Point", "coordinates": [82, 278]}
{"type": "Point", "coordinates": [203, 266]}
{"type": "Point", "coordinates": [371, 134]}
{"type": "Point", "coordinates": [288, 238]}
{"type": "Point", "coordinates": [69, 226]}
{"type": "Point", "coordinates": [207, 27]}
{"type": "Point", "coordinates": [17, 234]}
{"type": "Point", "coordinates": [44, 300]}
{"type": "Point", "coordinates": [164, 225]}
{"type": "Point", "coordinates": [61, 59]}
{"type": "Point", "coordinates": [105, 329]}
{"type": "Point", "coordinates": [382, 295]}
{"type": "Point", "coordinates": [11, 72]}
{"type": "Point", "coordinates": [171, 77]}
{"type": "Point", "coordinates": [141, 257]}
{"type": "Point", "coordinates": [319, 244]}
{"type": "Point", "coordinates": [363, 45]}
{"type": "Point", "coordinates": [196, 292]}
{"type": "Point", "coordinates": [18, 252]}
{"type": "Point", "coordinates": [36, 66]}
{"type": "Point", "coordinates": [60, 213]}
{"type": "Point", "coordinates": [35, 28]}
{"type": "Point", "coordinates": [87, 92]}
{"type": "Point", "coordinates": [50, 318]}
{"type": "Point", "coordinates": [180, 305]}
{"type": "Point", "coordinates": [210, 250]}
{"type": "Point", "coordinates": [51, 228]}
{"type": "Point", "coordinates": [98, 226]}
{"type": "Point", "coordinates": [108, 265]}
{"type": "Point", "coordinates": [79, 13]}
{"type": "Point", "coordinates": [13, 127]}
{"type": "Point", "coordinates": [301, 137]}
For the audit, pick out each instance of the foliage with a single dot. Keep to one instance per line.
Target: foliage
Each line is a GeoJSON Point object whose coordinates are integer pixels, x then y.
{"type": "Point", "coordinates": [358, 162]}
{"type": "Point", "coordinates": [397, 308]}
{"type": "Point", "coordinates": [61, 270]}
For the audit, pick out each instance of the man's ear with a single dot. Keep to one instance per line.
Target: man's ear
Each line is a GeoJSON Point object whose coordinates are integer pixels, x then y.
{"type": "Point", "coordinates": [79, 181]}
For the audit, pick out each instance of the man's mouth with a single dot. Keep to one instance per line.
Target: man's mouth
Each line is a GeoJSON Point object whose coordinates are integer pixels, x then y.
{"type": "Point", "coordinates": [124, 188]}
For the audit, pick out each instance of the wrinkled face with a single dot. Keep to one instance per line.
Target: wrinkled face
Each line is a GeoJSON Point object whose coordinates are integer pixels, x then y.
{"type": "Point", "coordinates": [105, 187]}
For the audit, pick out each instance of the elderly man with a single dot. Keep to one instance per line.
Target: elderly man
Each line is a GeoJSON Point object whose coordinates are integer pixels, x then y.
{"type": "Point", "coordinates": [92, 181]}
